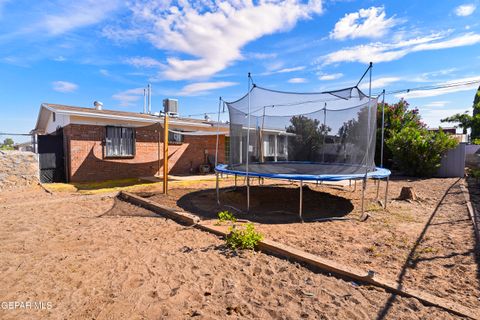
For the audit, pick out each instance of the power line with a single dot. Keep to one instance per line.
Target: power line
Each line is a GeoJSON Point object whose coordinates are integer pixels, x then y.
{"type": "Point", "coordinates": [435, 87]}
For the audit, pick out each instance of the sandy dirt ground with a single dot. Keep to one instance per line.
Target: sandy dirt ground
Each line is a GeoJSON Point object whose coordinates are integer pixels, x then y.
{"type": "Point", "coordinates": [427, 244]}
{"type": "Point", "coordinates": [95, 257]}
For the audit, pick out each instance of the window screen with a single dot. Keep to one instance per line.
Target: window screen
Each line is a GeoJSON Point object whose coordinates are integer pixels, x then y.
{"type": "Point", "coordinates": [119, 142]}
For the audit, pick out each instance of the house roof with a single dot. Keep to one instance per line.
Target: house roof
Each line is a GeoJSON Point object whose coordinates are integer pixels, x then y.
{"type": "Point", "coordinates": [47, 108]}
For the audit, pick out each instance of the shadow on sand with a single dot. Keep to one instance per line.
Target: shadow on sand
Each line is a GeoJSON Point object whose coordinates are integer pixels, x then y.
{"type": "Point", "coordinates": [414, 257]}
{"type": "Point", "coordinates": [268, 204]}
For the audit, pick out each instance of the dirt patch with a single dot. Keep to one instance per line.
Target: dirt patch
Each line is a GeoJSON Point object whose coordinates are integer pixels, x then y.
{"type": "Point", "coordinates": [426, 244]}
{"type": "Point", "coordinates": [90, 265]}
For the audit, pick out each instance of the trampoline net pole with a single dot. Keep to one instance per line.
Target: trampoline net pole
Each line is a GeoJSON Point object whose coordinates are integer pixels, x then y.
{"type": "Point", "coordinates": [218, 131]}
{"type": "Point", "coordinates": [248, 145]}
{"type": "Point", "coordinates": [383, 129]}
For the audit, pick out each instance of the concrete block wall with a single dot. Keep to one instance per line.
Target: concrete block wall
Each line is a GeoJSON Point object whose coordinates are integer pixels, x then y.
{"type": "Point", "coordinates": [18, 169]}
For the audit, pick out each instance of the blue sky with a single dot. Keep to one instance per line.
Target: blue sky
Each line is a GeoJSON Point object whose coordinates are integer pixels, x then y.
{"type": "Point", "coordinates": [75, 52]}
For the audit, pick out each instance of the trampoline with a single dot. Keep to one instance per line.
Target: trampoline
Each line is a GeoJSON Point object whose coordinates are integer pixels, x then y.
{"type": "Point", "coordinates": [303, 137]}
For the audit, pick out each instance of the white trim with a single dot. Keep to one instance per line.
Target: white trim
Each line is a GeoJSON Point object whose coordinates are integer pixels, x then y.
{"type": "Point", "coordinates": [116, 117]}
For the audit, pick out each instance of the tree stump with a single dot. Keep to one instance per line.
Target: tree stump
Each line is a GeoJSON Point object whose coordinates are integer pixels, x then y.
{"type": "Point", "coordinates": [407, 193]}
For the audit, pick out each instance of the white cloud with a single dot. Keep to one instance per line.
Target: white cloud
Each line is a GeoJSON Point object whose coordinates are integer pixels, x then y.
{"type": "Point", "coordinates": [211, 35]}
{"type": "Point", "coordinates": [437, 104]}
{"type": "Point", "coordinates": [77, 14]}
{"type": "Point", "coordinates": [473, 83]}
{"type": "Point", "coordinates": [199, 88]}
{"type": "Point", "coordinates": [384, 52]}
{"type": "Point", "coordinates": [297, 80]}
{"type": "Point", "coordinates": [333, 76]}
{"type": "Point", "coordinates": [144, 62]}
{"type": "Point", "coordinates": [59, 59]}
{"type": "Point", "coordinates": [465, 10]}
{"type": "Point", "coordinates": [64, 86]}
{"type": "Point", "coordinates": [104, 72]}
{"type": "Point", "coordinates": [128, 98]}
{"type": "Point", "coordinates": [366, 23]}
{"type": "Point", "coordinates": [262, 56]}
{"type": "Point", "coordinates": [380, 83]}
{"type": "Point", "coordinates": [287, 70]}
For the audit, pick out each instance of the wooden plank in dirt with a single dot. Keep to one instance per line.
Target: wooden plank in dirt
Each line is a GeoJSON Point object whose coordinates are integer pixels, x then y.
{"type": "Point", "coordinates": [179, 216]}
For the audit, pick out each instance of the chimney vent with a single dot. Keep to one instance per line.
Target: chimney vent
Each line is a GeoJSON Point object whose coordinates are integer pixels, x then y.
{"type": "Point", "coordinates": [98, 105]}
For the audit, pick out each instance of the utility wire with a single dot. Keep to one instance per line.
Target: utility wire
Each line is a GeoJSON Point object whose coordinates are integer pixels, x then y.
{"type": "Point", "coordinates": [424, 88]}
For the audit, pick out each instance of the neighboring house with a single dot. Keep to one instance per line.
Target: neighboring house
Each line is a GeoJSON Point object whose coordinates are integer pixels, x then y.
{"type": "Point", "coordinates": [86, 144]}
{"type": "Point", "coordinates": [452, 131]}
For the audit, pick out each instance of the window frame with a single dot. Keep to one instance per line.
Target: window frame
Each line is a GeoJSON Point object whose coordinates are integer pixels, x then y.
{"type": "Point", "coordinates": [172, 142]}
{"type": "Point", "coordinates": [134, 142]}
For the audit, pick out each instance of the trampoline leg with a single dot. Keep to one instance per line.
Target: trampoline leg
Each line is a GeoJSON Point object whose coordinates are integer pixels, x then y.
{"type": "Point", "coordinates": [378, 187]}
{"type": "Point", "coordinates": [364, 186]}
{"type": "Point", "coordinates": [386, 194]}
{"type": "Point", "coordinates": [300, 210]}
{"type": "Point", "coordinates": [248, 194]}
{"type": "Point", "coordinates": [354, 185]}
{"type": "Point", "coordinates": [218, 189]}
{"type": "Point", "coordinates": [235, 181]}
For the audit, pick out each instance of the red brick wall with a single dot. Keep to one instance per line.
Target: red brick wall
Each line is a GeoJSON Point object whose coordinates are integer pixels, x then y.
{"type": "Point", "coordinates": [84, 149]}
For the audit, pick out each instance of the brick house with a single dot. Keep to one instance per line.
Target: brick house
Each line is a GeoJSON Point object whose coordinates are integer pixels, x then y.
{"type": "Point", "coordinates": [90, 144]}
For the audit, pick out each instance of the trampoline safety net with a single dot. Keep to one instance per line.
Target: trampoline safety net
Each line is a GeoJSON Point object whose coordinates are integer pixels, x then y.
{"type": "Point", "coordinates": [303, 133]}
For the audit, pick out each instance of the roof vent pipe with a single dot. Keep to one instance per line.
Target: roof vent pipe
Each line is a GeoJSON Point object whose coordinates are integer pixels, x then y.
{"type": "Point", "coordinates": [144, 100]}
{"type": "Point", "coordinates": [149, 98]}
{"type": "Point", "coordinates": [98, 105]}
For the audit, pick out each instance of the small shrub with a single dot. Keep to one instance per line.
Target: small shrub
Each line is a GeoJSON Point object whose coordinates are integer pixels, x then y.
{"type": "Point", "coordinates": [418, 152]}
{"type": "Point", "coordinates": [225, 216]}
{"type": "Point", "coordinates": [243, 238]}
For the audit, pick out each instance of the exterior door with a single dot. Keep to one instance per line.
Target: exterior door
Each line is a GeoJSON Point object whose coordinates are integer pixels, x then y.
{"type": "Point", "coordinates": [51, 157]}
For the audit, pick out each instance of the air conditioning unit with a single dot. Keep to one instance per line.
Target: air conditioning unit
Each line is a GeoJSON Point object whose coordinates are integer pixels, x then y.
{"type": "Point", "coordinates": [170, 107]}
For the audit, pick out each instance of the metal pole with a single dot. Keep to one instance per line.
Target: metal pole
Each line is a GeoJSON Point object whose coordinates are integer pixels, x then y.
{"type": "Point", "coordinates": [218, 188]}
{"type": "Point", "coordinates": [144, 100]}
{"type": "Point", "coordinates": [149, 98]}
{"type": "Point", "coordinates": [218, 131]}
{"type": "Point", "coordinates": [364, 186]}
{"type": "Point", "coordinates": [324, 128]}
{"type": "Point", "coordinates": [378, 187]}
{"type": "Point", "coordinates": [248, 146]}
{"type": "Point", "coordinates": [383, 129]}
{"type": "Point", "coordinates": [386, 193]}
{"type": "Point", "coordinates": [248, 194]}
{"type": "Point", "coordinates": [165, 153]}
{"type": "Point", "coordinates": [300, 210]}
{"type": "Point", "coordinates": [235, 181]}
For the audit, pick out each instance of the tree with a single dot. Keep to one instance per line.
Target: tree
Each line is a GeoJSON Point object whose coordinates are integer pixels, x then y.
{"type": "Point", "coordinates": [418, 152]}
{"type": "Point", "coordinates": [464, 120]}
{"type": "Point", "coordinates": [7, 144]}
{"type": "Point", "coordinates": [475, 134]}
{"type": "Point", "coordinates": [308, 140]}
{"type": "Point", "coordinates": [397, 117]}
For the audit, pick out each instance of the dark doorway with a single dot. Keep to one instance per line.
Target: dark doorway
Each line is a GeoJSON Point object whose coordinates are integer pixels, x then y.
{"type": "Point", "coordinates": [51, 157]}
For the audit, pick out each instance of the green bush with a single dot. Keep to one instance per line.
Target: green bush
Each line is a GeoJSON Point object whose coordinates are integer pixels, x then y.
{"type": "Point", "coordinates": [243, 238]}
{"type": "Point", "coordinates": [418, 152]}
{"type": "Point", "coordinates": [225, 216]}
